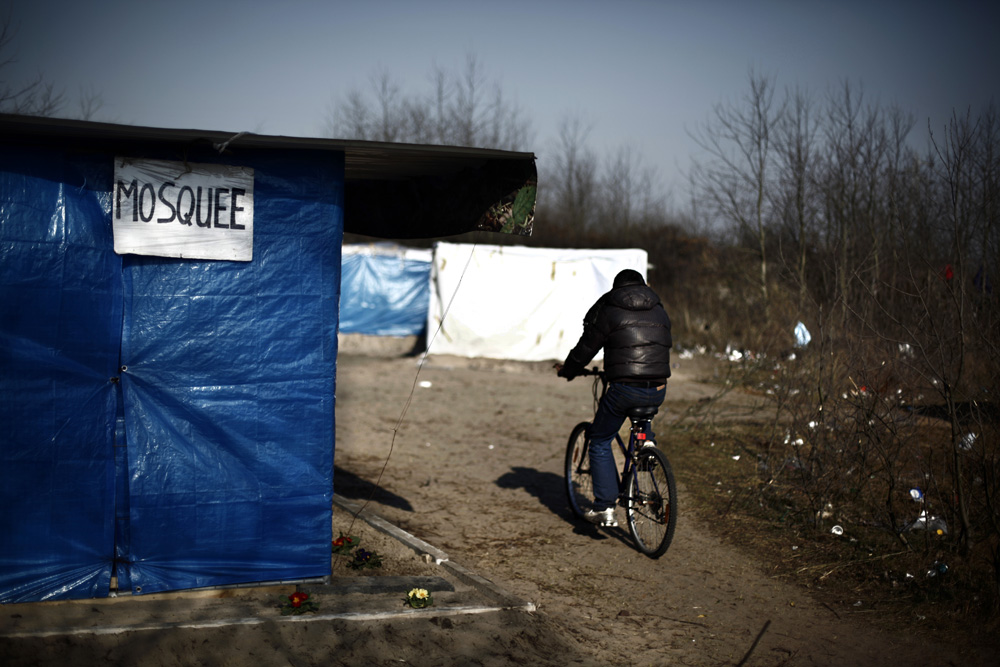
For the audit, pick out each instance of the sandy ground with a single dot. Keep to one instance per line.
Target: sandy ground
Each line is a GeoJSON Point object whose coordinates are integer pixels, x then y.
{"type": "Point", "coordinates": [468, 455]}
{"type": "Point", "coordinates": [476, 468]}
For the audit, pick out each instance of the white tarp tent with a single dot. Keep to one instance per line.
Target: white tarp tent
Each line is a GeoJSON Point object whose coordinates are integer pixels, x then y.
{"type": "Point", "coordinates": [514, 302]}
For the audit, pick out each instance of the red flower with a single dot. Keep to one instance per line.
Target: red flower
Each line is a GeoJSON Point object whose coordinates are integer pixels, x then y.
{"type": "Point", "coordinates": [339, 542]}
{"type": "Point", "coordinates": [298, 598]}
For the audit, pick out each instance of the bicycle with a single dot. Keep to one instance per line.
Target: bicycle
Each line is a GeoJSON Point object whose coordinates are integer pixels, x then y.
{"type": "Point", "coordinates": [646, 487]}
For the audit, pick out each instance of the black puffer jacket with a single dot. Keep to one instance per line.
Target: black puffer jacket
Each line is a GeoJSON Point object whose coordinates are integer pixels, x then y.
{"type": "Point", "coordinates": [629, 322]}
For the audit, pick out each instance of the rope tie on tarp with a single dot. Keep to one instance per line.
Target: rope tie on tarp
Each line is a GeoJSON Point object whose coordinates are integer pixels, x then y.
{"type": "Point", "coordinates": [222, 146]}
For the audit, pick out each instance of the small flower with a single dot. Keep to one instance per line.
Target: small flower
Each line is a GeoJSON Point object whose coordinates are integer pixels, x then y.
{"type": "Point", "coordinates": [344, 544]}
{"type": "Point", "coordinates": [298, 603]}
{"type": "Point", "coordinates": [419, 598]}
{"type": "Point", "coordinates": [364, 558]}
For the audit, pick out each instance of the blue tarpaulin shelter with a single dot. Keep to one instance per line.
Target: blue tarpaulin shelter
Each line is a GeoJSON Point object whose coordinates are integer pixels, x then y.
{"type": "Point", "coordinates": [385, 290]}
{"type": "Point", "coordinates": [204, 368]}
{"type": "Point", "coordinates": [169, 422]}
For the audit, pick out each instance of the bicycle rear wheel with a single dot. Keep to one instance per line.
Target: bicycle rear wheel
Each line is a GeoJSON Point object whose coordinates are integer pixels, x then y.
{"type": "Point", "coordinates": [651, 506]}
{"type": "Point", "coordinates": [579, 484]}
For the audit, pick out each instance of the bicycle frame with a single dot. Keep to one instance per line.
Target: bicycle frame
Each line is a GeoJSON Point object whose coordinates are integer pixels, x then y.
{"type": "Point", "coordinates": [639, 428]}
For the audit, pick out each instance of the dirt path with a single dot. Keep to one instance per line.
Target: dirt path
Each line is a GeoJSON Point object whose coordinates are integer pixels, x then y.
{"type": "Point", "coordinates": [475, 469]}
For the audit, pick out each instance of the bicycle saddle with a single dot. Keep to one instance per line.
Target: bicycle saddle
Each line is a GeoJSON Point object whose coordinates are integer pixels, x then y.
{"type": "Point", "coordinates": [642, 413]}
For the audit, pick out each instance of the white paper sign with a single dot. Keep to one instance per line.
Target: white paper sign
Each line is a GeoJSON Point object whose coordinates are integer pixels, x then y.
{"type": "Point", "coordinates": [182, 209]}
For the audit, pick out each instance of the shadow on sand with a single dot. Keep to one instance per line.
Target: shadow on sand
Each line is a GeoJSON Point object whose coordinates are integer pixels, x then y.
{"type": "Point", "coordinates": [550, 489]}
{"type": "Point", "coordinates": [349, 485]}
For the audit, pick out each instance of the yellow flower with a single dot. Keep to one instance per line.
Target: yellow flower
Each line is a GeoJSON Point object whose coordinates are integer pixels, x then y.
{"type": "Point", "coordinates": [419, 593]}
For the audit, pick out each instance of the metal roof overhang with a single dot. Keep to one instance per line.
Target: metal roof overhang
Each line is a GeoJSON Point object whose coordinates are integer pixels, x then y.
{"type": "Point", "coordinates": [390, 190]}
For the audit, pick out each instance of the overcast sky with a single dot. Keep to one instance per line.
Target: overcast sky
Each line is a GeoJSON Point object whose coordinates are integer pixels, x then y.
{"type": "Point", "coordinates": [641, 73]}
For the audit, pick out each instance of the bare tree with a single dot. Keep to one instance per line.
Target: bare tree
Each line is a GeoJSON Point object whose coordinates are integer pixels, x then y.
{"type": "Point", "coordinates": [467, 108]}
{"type": "Point", "coordinates": [960, 345]}
{"type": "Point", "coordinates": [36, 96]}
{"type": "Point", "coordinates": [437, 106]}
{"type": "Point", "coordinates": [795, 146]}
{"type": "Point", "coordinates": [381, 119]}
{"type": "Point", "coordinates": [389, 119]}
{"type": "Point", "coordinates": [572, 178]}
{"type": "Point", "coordinates": [463, 109]}
{"type": "Point", "coordinates": [899, 170]}
{"type": "Point", "coordinates": [90, 103]}
{"type": "Point", "coordinates": [737, 177]}
{"type": "Point", "coordinates": [856, 143]}
{"type": "Point", "coordinates": [627, 197]}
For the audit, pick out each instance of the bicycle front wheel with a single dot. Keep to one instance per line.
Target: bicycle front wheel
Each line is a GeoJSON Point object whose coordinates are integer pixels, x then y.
{"type": "Point", "coordinates": [651, 506]}
{"type": "Point", "coordinates": [579, 484]}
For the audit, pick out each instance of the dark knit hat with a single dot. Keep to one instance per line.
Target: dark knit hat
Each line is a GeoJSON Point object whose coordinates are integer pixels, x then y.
{"type": "Point", "coordinates": [628, 277]}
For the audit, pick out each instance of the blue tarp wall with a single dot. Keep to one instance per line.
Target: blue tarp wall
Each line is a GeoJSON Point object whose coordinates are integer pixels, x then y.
{"type": "Point", "coordinates": [385, 290]}
{"type": "Point", "coordinates": [166, 421]}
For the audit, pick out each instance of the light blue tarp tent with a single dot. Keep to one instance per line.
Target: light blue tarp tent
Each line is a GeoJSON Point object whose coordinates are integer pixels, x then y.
{"type": "Point", "coordinates": [169, 423]}
{"type": "Point", "coordinates": [385, 290]}
{"type": "Point", "coordinates": [216, 378]}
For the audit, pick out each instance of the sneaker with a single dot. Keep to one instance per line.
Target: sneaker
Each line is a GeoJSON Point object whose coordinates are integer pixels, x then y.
{"type": "Point", "coordinates": [602, 517]}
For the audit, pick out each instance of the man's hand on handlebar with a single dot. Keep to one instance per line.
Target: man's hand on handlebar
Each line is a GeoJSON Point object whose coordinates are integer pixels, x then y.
{"type": "Point", "coordinates": [561, 372]}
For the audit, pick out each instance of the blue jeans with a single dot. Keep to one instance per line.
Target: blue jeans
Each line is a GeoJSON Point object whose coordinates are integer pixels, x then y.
{"type": "Point", "coordinates": [608, 420]}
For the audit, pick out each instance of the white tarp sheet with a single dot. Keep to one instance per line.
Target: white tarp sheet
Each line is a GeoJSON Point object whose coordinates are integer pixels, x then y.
{"type": "Point", "coordinates": [513, 302]}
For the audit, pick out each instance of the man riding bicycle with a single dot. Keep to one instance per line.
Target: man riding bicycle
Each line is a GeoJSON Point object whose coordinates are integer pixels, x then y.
{"type": "Point", "coordinates": [632, 326]}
